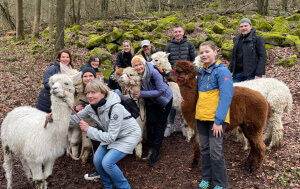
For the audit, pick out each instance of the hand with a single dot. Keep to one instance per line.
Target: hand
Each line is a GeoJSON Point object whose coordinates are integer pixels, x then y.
{"type": "Point", "coordinates": [79, 107]}
{"type": "Point", "coordinates": [257, 77]}
{"type": "Point", "coordinates": [217, 130]}
{"type": "Point", "coordinates": [137, 94]}
{"type": "Point", "coordinates": [84, 126]}
{"type": "Point", "coordinates": [49, 117]}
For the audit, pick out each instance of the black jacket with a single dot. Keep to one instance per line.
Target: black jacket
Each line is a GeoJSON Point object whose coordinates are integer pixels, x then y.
{"type": "Point", "coordinates": [254, 55]}
{"type": "Point", "coordinates": [183, 50]}
{"type": "Point", "coordinates": [123, 60]}
{"type": "Point", "coordinates": [44, 101]}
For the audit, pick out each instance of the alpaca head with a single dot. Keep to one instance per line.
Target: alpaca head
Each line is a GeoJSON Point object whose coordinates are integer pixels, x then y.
{"type": "Point", "coordinates": [160, 59]}
{"type": "Point", "coordinates": [117, 74]}
{"type": "Point", "coordinates": [197, 63]}
{"type": "Point", "coordinates": [184, 71]}
{"type": "Point", "coordinates": [61, 86]}
{"type": "Point", "coordinates": [129, 76]}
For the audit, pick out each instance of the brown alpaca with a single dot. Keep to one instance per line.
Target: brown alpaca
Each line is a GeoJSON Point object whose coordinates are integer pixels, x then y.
{"type": "Point", "coordinates": [248, 109]}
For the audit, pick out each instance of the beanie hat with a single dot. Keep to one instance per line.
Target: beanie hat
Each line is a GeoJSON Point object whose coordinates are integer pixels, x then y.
{"type": "Point", "coordinates": [88, 69]}
{"type": "Point", "coordinates": [138, 58]}
{"type": "Point", "coordinates": [245, 20]}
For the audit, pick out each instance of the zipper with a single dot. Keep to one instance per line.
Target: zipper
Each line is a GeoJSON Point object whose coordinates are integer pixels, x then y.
{"type": "Point", "coordinates": [208, 78]}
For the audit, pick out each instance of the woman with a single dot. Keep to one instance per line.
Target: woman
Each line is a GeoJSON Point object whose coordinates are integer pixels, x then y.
{"type": "Point", "coordinates": [118, 135]}
{"type": "Point", "coordinates": [124, 57]}
{"type": "Point", "coordinates": [94, 62]}
{"type": "Point", "coordinates": [215, 88]}
{"type": "Point", "coordinates": [62, 64]}
{"type": "Point", "coordinates": [158, 97]}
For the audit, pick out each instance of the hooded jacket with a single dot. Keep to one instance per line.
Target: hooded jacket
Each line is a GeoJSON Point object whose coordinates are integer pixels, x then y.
{"type": "Point", "coordinates": [116, 132]}
{"type": "Point", "coordinates": [215, 89]}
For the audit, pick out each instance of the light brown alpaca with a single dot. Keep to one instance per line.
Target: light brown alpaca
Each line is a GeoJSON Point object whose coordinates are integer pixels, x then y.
{"type": "Point", "coordinates": [248, 109]}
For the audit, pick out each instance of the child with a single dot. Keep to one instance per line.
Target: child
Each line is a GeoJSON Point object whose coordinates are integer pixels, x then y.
{"type": "Point", "coordinates": [215, 88]}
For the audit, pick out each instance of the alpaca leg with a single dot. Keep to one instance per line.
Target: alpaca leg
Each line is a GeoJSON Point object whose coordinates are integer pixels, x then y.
{"type": "Point", "coordinates": [48, 167]}
{"type": "Point", "coordinates": [75, 140]}
{"type": "Point", "coordinates": [26, 169]}
{"type": "Point", "coordinates": [37, 174]}
{"type": "Point", "coordinates": [196, 148]}
{"type": "Point", "coordinates": [7, 165]}
{"type": "Point", "coordinates": [238, 133]}
{"type": "Point", "coordinates": [138, 150]}
{"type": "Point", "coordinates": [276, 134]}
{"type": "Point", "coordinates": [87, 149]}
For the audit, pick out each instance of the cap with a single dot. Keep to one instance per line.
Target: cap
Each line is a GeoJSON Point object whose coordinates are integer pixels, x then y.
{"type": "Point", "coordinates": [88, 69]}
{"type": "Point", "coordinates": [145, 43]}
{"type": "Point", "coordinates": [245, 20]}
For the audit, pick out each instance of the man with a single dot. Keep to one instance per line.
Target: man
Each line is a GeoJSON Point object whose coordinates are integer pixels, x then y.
{"type": "Point", "coordinates": [248, 55]}
{"type": "Point", "coordinates": [180, 49]}
{"type": "Point", "coordinates": [148, 50]}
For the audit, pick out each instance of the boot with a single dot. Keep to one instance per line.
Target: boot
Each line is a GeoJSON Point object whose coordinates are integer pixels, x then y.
{"type": "Point", "coordinates": [154, 157]}
{"type": "Point", "coordinates": [149, 153]}
{"type": "Point", "coordinates": [169, 129]}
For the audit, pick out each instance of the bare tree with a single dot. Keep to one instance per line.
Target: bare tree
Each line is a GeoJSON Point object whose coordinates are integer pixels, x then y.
{"type": "Point", "coordinates": [51, 18]}
{"type": "Point", "coordinates": [6, 15]}
{"type": "Point", "coordinates": [284, 5]}
{"type": "Point", "coordinates": [60, 22]}
{"type": "Point", "coordinates": [263, 6]}
{"type": "Point", "coordinates": [37, 18]}
{"type": "Point", "coordinates": [19, 19]}
{"type": "Point", "coordinates": [78, 12]}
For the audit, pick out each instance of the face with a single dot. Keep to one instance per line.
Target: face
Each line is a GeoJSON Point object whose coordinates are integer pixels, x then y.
{"type": "Point", "coordinates": [178, 33]}
{"type": "Point", "coordinates": [139, 67]}
{"type": "Point", "coordinates": [95, 63]}
{"type": "Point", "coordinates": [94, 97]}
{"type": "Point", "coordinates": [65, 58]}
{"type": "Point", "coordinates": [207, 54]}
{"type": "Point", "coordinates": [146, 48]}
{"type": "Point", "coordinates": [245, 28]}
{"type": "Point", "coordinates": [87, 77]}
{"type": "Point", "coordinates": [126, 47]}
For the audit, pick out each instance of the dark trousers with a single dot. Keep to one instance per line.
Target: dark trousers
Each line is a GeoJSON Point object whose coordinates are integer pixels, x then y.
{"type": "Point", "coordinates": [239, 77]}
{"type": "Point", "coordinates": [213, 161]}
{"type": "Point", "coordinates": [156, 117]}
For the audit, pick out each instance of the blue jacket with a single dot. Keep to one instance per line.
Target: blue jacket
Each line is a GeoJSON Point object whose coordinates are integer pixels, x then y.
{"type": "Point", "coordinates": [157, 90]}
{"type": "Point", "coordinates": [215, 88]}
{"type": "Point", "coordinates": [44, 101]}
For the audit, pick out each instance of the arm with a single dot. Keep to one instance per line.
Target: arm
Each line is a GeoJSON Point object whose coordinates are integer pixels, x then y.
{"type": "Point", "coordinates": [83, 114]}
{"type": "Point", "coordinates": [261, 57]}
{"type": "Point", "coordinates": [159, 86]}
{"type": "Point", "coordinates": [119, 59]}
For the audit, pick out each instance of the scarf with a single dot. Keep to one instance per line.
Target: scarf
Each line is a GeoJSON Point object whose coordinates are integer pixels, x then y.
{"type": "Point", "coordinates": [64, 68]}
{"type": "Point", "coordinates": [146, 77]}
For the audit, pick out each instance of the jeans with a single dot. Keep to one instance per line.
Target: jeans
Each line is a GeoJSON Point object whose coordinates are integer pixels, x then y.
{"type": "Point", "coordinates": [110, 174]}
{"type": "Point", "coordinates": [211, 148]}
{"type": "Point", "coordinates": [239, 77]}
{"type": "Point", "coordinates": [171, 117]}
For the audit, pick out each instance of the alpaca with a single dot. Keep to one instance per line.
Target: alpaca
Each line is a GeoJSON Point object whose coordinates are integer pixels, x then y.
{"type": "Point", "coordinates": [197, 63]}
{"type": "Point", "coordinates": [23, 133]}
{"type": "Point", "coordinates": [248, 109]}
{"type": "Point", "coordinates": [280, 99]}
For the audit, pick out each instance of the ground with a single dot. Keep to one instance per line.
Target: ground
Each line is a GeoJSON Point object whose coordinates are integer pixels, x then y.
{"type": "Point", "coordinates": [21, 82]}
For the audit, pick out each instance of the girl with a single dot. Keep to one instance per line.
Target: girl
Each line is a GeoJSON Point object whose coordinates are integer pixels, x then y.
{"type": "Point", "coordinates": [215, 88]}
{"type": "Point", "coordinates": [94, 62]}
{"type": "Point", "coordinates": [124, 57]}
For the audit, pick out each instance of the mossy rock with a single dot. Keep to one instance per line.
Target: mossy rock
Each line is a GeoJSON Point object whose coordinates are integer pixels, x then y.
{"type": "Point", "coordinates": [99, 26]}
{"type": "Point", "coordinates": [193, 20]}
{"type": "Point", "coordinates": [280, 24]}
{"type": "Point", "coordinates": [263, 25]}
{"type": "Point", "coordinates": [189, 28]}
{"type": "Point", "coordinates": [234, 24]}
{"type": "Point", "coordinates": [161, 36]}
{"type": "Point", "coordinates": [290, 40]}
{"type": "Point", "coordinates": [268, 46]}
{"type": "Point", "coordinates": [114, 35]}
{"type": "Point", "coordinates": [151, 26]}
{"type": "Point", "coordinates": [102, 54]}
{"type": "Point", "coordinates": [111, 47]}
{"type": "Point", "coordinates": [201, 17]}
{"type": "Point", "coordinates": [217, 38]}
{"type": "Point", "coordinates": [205, 25]}
{"type": "Point", "coordinates": [159, 45]}
{"type": "Point", "coordinates": [208, 17]}
{"type": "Point", "coordinates": [200, 38]}
{"type": "Point", "coordinates": [149, 37]}
{"type": "Point", "coordinates": [290, 61]}
{"type": "Point", "coordinates": [106, 68]}
{"type": "Point", "coordinates": [295, 17]}
{"type": "Point", "coordinates": [208, 31]}
{"type": "Point", "coordinates": [223, 20]}
{"type": "Point", "coordinates": [169, 20]}
{"type": "Point", "coordinates": [79, 44]}
{"type": "Point", "coordinates": [229, 31]}
{"type": "Point", "coordinates": [76, 28]}
{"type": "Point", "coordinates": [297, 43]}
{"type": "Point", "coordinates": [95, 41]}
{"type": "Point", "coordinates": [136, 46]}
{"type": "Point", "coordinates": [195, 42]}
{"type": "Point", "coordinates": [274, 39]}
{"type": "Point", "coordinates": [138, 35]}
{"type": "Point", "coordinates": [218, 28]}
{"type": "Point", "coordinates": [160, 28]}
{"type": "Point", "coordinates": [236, 16]}
{"type": "Point", "coordinates": [296, 32]}
{"type": "Point", "coordinates": [227, 47]}
{"type": "Point", "coordinates": [127, 36]}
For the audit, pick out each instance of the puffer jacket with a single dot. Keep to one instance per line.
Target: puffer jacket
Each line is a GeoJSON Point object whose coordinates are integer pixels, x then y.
{"type": "Point", "coordinates": [44, 101]}
{"type": "Point", "coordinates": [183, 50]}
{"type": "Point", "coordinates": [118, 133]}
{"type": "Point", "coordinates": [254, 55]}
{"type": "Point", "coordinates": [215, 89]}
{"type": "Point", "coordinates": [123, 60]}
{"type": "Point", "coordinates": [157, 90]}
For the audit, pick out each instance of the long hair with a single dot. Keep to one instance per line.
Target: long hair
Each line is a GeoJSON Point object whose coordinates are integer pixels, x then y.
{"type": "Point", "coordinates": [65, 51]}
{"type": "Point", "coordinates": [131, 47]}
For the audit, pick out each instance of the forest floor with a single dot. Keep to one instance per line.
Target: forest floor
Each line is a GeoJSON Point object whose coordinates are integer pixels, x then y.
{"type": "Point", "coordinates": [20, 83]}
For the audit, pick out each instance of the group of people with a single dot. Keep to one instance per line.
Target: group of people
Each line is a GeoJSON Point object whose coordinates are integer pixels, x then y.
{"type": "Point", "coordinates": [118, 134]}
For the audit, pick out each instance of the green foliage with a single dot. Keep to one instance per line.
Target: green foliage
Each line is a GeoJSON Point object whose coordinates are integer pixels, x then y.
{"type": "Point", "coordinates": [290, 61]}
{"type": "Point", "coordinates": [189, 28]}
{"type": "Point", "coordinates": [223, 20]}
{"type": "Point", "coordinates": [12, 59]}
{"type": "Point", "coordinates": [297, 43]}
{"type": "Point", "coordinates": [149, 37]}
{"type": "Point", "coordinates": [274, 38]}
{"type": "Point", "coordinates": [102, 54]}
{"type": "Point", "coordinates": [227, 47]}
{"type": "Point", "coordinates": [127, 36]}
{"type": "Point", "coordinates": [111, 47]}
{"type": "Point", "coordinates": [114, 35]}
{"type": "Point", "coordinates": [295, 17]}
{"type": "Point", "coordinates": [169, 20]}
{"type": "Point", "coordinates": [268, 46]}
{"type": "Point", "coordinates": [218, 28]}
{"type": "Point", "coordinates": [95, 41]}
{"type": "Point", "coordinates": [138, 35]}
{"type": "Point", "coordinates": [217, 38]}
{"type": "Point", "coordinates": [290, 40]}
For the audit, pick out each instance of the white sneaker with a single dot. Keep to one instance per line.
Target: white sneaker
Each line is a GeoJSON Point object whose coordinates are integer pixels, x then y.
{"type": "Point", "coordinates": [92, 176]}
{"type": "Point", "coordinates": [169, 129]}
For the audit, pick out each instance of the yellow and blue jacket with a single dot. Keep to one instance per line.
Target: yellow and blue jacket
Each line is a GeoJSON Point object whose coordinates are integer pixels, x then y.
{"type": "Point", "coordinates": [215, 91]}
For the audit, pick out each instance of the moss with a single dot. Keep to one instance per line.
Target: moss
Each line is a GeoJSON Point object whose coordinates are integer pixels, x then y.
{"type": "Point", "coordinates": [106, 68]}
{"type": "Point", "coordinates": [223, 20]}
{"type": "Point", "coordinates": [296, 32]}
{"type": "Point", "coordinates": [217, 38]}
{"type": "Point", "coordinates": [193, 19]}
{"type": "Point", "coordinates": [127, 36]}
{"type": "Point", "coordinates": [149, 37]}
{"type": "Point", "coordinates": [161, 36]}
{"type": "Point", "coordinates": [297, 43]}
{"type": "Point", "coordinates": [208, 31]}
{"type": "Point", "coordinates": [280, 24]}
{"type": "Point", "coordinates": [45, 34]}
{"type": "Point", "coordinates": [290, 61]}
{"type": "Point", "coordinates": [229, 31]}
{"type": "Point", "coordinates": [290, 40]}
{"type": "Point", "coordinates": [114, 35]}
{"type": "Point", "coordinates": [214, 5]}
{"type": "Point", "coordinates": [99, 26]}
{"type": "Point", "coordinates": [12, 59]}
{"type": "Point", "coordinates": [207, 17]}
{"type": "Point", "coordinates": [103, 54]}
{"type": "Point", "coordinates": [205, 25]}
{"type": "Point", "coordinates": [234, 24]}
{"type": "Point", "coordinates": [111, 47]}
{"type": "Point", "coordinates": [236, 16]}
{"type": "Point", "coordinates": [95, 41]}
{"type": "Point", "coordinates": [274, 39]}
{"type": "Point", "coordinates": [189, 28]}
{"type": "Point", "coordinates": [295, 17]}
{"type": "Point", "coordinates": [218, 28]}
{"type": "Point", "coordinates": [195, 42]}
{"type": "Point", "coordinates": [227, 47]}
{"type": "Point", "coordinates": [169, 20]}
{"type": "Point", "coordinates": [142, 25]}
{"type": "Point", "coordinates": [268, 46]}
{"type": "Point", "coordinates": [138, 35]}
{"type": "Point", "coordinates": [136, 46]}
{"type": "Point", "coordinates": [76, 28]}
{"type": "Point", "coordinates": [159, 45]}
{"type": "Point", "coordinates": [263, 25]}
{"type": "Point", "coordinates": [151, 26]}
{"type": "Point", "coordinates": [201, 38]}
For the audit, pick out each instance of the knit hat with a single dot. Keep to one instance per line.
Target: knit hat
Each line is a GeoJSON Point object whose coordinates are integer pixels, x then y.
{"type": "Point", "coordinates": [88, 69]}
{"type": "Point", "coordinates": [138, 58]}
{"type": "Point", "coordinates": [245, 20]}
{"type": "Point", "coordinates": [145, 43]}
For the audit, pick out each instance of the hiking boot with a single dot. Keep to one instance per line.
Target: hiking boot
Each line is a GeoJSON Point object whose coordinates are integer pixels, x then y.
{"type": "Point", "coordinates": [169, 129]}
{"type": "Point", "coordinates": [203, 185]}
{"type": "Point", "coordinates": [149, 153]}
{"type": "Point", "coordinates": [154, 157]}
{"type": "Point", "coordinates": [92, 176]}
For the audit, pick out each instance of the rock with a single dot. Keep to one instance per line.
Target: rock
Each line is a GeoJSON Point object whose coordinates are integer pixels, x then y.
{"type": "Point", "coordinates": [290, 40]}
{"type": "Point", "coordinates": [103, 54]}
{"type": "Point", "coordinates": [95, 41]}
{"type": "Point", "coordinates": [138, 35]}
{"type": "Point", "coordinates": [290, 61]}
{"type": "Point", "coordinates": [218, 28]}
{"type": "Point", "coordinates": [295, 17]}
{"type": "Point", "coordinates": [217, 38]}
{"type": "Point", "coordinates": [114, 35]}
{"type": "Point", "coordinates": [111, 47]}
{"type": "Point", "coordinates": [189, 28]}
{"type": "Point", "coordinates": [149, 37]}
{"type": "Point", "coordinates": [274, 39]}
{"type": "Point", "coordinates": [127, 36]}
{"type": "Point", "coordinates": [227, 47]}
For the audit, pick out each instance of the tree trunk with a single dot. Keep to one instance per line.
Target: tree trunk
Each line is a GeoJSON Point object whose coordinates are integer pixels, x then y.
{"type": "Point", "coordinates": [19, 19]}
{"type": "Point", "coordinates": [134, 6]}
{"type": "Point", "coordinates": [78, 12]}
{"type": "Point", "coordinates": [6, 15]}
{"type": "Point", "coordinates": [51, 19]}
{"type": "Point", "coordinates": [37, 18]}
{"type": "Point", "coordinates": [263, 7]}
{"type": "Point", "coordinates": [104, 7]}
{"type": "Point", "coordinates": [284, 5]}
{"type": "Point", "coordinates": [60, 22]}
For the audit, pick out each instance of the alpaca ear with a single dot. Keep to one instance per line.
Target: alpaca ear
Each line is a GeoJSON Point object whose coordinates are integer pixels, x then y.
{"type": "Point", "coordinates": [166, 55]}
{"type": "Point", "coordinates": [76, 76]}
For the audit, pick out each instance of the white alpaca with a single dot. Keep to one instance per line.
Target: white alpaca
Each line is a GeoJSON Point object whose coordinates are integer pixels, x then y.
{"type": "Point", "coordinates": [280, 99]}
{"type": "Point", "coordinates": [197, 63]}
{"type": "Point", "coordinates": [23, 133]}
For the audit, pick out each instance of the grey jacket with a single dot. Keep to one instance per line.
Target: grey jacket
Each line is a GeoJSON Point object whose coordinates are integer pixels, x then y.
{"type": "Point", "coordinates": [118, 133]}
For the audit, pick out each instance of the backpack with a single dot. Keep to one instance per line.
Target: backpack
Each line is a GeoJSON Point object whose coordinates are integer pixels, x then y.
{"type": "Point", "coordinates": [129, 104]}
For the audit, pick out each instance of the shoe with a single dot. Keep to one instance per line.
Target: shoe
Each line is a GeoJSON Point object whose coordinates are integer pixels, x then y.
{"type": "Point", "coordinates": [203, 185]}
{"type": "Point", "coordinates": [154, 157]}
{"type": "Point", "coordinates": [218, 187]}
{"type": "Point", "coordinates": [149, 153]}
{"type": "Point", "coordinates": [169, 129]}
{"type": "Point", "coordinates": [92, 176]}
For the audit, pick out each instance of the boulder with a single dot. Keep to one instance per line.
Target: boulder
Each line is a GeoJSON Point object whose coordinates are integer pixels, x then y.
{"type": "Point", "coordinates": [102, 54]}
{"type": "Point", "coordinates": [276, 39]}
{"type": "Point", "coordinates": [218, 28]}
{"type": "Point", "coordinates": [114, 35]}
{"type": "Point", "coordinates": [111, 47]}
{"type": "Point", "coordinates": [95, 41]}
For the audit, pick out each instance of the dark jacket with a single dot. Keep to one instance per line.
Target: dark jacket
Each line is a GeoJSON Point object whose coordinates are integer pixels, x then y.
{"type": "Point", "coordinates": [89, 65]}
{"type": "Point", "coordinates": [183, 50]}
{"type": "Point", "coordinates": [123, 60]}
{"type": "Point", "coordinates": [152, 51]}
{"type": "Point", "coordinates": [44, 101]}
{"type": "Point", "coordinates": [253, 52]}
